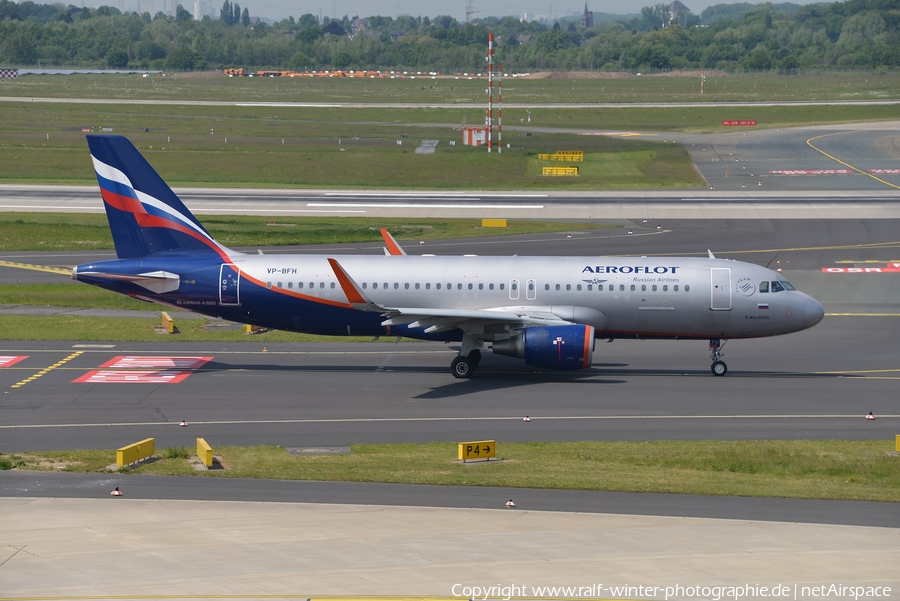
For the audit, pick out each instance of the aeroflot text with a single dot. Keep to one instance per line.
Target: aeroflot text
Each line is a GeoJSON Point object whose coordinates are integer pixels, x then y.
{"type": "Point", "coordinates": [628, 269]}
{"type": "Point", "coordinates": [716, 593]}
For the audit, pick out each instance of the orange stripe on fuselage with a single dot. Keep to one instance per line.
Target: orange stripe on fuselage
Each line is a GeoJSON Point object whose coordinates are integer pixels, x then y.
{"type": "Point", "coordinates": [306, 297]}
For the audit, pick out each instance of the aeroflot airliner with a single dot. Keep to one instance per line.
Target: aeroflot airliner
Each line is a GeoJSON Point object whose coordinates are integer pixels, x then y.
{"type": "Point", "coordinates": [547, 311]}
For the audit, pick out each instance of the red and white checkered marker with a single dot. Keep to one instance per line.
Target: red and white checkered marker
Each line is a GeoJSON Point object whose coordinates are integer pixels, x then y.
{"type": "Point", "coordinates": [509, 503]}
{"type": "Point", "coordinates": [871, 416]}
{"type": "Point", "coordinates": [183, 424]}
{"type": "Point", "coordinates": [116, 493]}
{"type": "Point", "coordinates": [527, 419]}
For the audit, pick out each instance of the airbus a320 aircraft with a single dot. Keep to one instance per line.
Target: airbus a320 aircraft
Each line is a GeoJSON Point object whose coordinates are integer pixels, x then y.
{"type": "Point", "coordinates": [547, 311]}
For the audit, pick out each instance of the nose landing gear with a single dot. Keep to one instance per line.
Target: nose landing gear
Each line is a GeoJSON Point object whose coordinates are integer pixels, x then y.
{"type": "Point", "coordinates": [718, 366]}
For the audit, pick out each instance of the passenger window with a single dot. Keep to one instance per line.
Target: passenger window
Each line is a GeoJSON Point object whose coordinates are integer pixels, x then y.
{"type": "Point", "coordinates": [568, 286]}
{"type": "Point", "coordinates": [621, 287]}
{"type": "Point", "coordinates": [502, 286]}
{"type": "Point", "coordinates": [375, 285]}
{"type": "Point", "coordinates": [578, 287]}
{"type": "Point", "coordinates": [428, 286]}
{"type": "Point", "coordinates": [687, 288]}
{"type": "Point", "coordinates": [438, 285]}
{"type": "Point", "coordinates": [675, 288]}
{"type": "Point", "coordinates": [278, 285]}
{"type": "Point", "coordinates": [490, 286]}
{"type": "Point", "coordinates": [530, 286]}
{"type": "Point", "coordinates": [481, 286]}
{"type": "Point", "coordinates": [776, 287]}
{"type": "Point", "coordinates": [406, 286]}
{"type": "Point", "coordinates": [557, 286]}
{"type": "Point", "coordinates": [365, 284]}
{"type": "Point", "coordinates": [385, 286]}
{"type": "Point", "coordinates": [590, 287]}
{"type": "Point", "coordinates": [643, 287]}
{"type": "Point", "coordinates": [321, 284]}
{"type": "Point", "coordinates": [459, 286]}
{"type": "Point", "coordinates": [764, 287]}
{"type": "Point", "coordinates": [546, 286]}
{"type": "Point", "coordinates": [514, 285]}
{"type": "Point", "coordinates": [417, 285]}
{"type": "Point", "coordinates": [290, 284]}
{"type": "Point", "coordinates": [312, 284]}
{"type": "Point", "coordinates": [299, 284]}
{"type": "Point", "coordinates": [633, 287]}
{"type": "Point", "coordinates": [665, 287]}
{"type": "Point", "coordinates": [611, 288]}
{"type": "Point", "coordinates": [449, 286]}
{"type": "Point", "coordinates": [654, 288]}
{"type": "Point", "coordinates": [268, 285]}
{"type": "Point", "coordinates": [397, 286]}
{"type": "Point", "coordinates": [332, 285]}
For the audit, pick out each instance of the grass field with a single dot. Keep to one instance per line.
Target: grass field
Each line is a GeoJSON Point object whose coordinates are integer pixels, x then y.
{"type": "Point", "coordinates": [301, 146]}
{"type": "Point", "coordinates": [831, 85]}
{"type": "Point", "coordinates": [80, 231]}
{"type": "Point", "coordinates": [804, 469]}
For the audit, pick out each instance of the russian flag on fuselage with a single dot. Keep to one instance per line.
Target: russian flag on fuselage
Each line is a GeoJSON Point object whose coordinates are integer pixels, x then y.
{"type": "Point", "coordinates": [145, 216]}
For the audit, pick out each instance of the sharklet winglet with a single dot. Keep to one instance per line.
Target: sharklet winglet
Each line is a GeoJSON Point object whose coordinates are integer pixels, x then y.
{"type": "Point", "coordinates": [355, 295]}
{"type": "Point", "coordinates": [392, 247]}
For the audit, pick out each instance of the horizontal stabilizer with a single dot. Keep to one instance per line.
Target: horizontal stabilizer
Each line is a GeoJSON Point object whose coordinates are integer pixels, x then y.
{"type": "Point", "coordinates": [155, 281]}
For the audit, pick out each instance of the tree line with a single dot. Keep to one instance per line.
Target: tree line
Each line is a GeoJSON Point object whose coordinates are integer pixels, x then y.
{"type": "Point", "coordinates": [854, 33]}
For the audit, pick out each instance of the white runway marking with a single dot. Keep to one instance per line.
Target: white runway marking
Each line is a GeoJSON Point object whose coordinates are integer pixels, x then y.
{"type": "Point", "coordinates": [536, 418]}
{"type": "Point", "coordinates": [404, 205]}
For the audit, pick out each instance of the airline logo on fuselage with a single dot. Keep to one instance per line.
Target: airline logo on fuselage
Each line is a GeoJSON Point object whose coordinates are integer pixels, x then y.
{"type": "Point", "coordinates": [658, 269]}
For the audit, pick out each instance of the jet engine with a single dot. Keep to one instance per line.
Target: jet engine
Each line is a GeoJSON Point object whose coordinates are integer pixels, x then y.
{"type": "Point", "coordinates": [552, 347]}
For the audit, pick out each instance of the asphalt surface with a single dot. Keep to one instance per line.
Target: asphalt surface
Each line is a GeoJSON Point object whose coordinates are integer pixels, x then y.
{"type": "Point", "coordinates": [93, 486]}
{"type": "Point", "coordinates": [817, 384]}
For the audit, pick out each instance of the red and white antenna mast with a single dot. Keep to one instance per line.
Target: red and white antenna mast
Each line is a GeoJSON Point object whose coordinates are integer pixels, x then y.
{"type": "Point", "coordinates": [490, 60]}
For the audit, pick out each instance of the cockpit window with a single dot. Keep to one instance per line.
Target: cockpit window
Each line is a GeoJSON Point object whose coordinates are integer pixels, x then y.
{"type": "Point", "coordinates": [787, 285]}
{"type": "Point", "coordinates": [764, 287]}
{"type": "Point", "coordinates": [777, 287]}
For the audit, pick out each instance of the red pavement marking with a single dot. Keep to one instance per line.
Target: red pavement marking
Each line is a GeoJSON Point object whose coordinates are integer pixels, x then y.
{"type": "Point", "coordinates": [109, 376]}
{"type": "Point", "coordinates": [155, 362]}
{"type": "Point", "coordinates": [885, 171]}
{"type": "Point", "coordinates": [6, 361]}
{"type": "Point", "coordinates": [814, 172]}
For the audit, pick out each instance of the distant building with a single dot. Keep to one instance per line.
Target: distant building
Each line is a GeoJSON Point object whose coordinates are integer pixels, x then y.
{"type": "Point", "coordinates": [587, 17]}
{"type": "Point", "coordinates": [678, 12]}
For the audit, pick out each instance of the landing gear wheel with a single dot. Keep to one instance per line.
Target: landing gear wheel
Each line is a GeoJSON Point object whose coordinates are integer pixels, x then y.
{"type": "Point", "coordinates": [719, 368]}
{"type": "Point", "coordinates": [475, 357]}
{"type": "Point", "coordinates": [462, 367]}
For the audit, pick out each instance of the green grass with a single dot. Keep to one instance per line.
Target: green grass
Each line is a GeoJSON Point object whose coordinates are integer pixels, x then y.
{"type": "Point", "coordinates": [827, 85]}
{"type": "Point", "coordinates": [68, 231]}
{"type": "Point", "coordinates": [857, 470]}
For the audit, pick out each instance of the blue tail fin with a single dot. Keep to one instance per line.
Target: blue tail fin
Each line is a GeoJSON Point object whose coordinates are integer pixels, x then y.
{"type": "Point", "coordinates": [145, 216]}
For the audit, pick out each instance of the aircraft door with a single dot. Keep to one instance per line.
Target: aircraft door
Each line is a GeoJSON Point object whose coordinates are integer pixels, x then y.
{"type": "Point", "coordinates": [229, 284]}
{"type": "Point", "coordinates": [514, 289]}
{"type": "Point", "coordinates": [530, 290]}
{"type": "Point", "coordinates": [720, 288]}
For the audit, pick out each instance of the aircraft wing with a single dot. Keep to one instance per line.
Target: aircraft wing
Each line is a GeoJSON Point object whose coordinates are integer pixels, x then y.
{"type": "Point", "coordinates": [436, 320]}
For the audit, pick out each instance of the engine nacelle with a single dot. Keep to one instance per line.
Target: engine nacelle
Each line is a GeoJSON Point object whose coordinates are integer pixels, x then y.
{"type": "Point", "coordinates": [553, 347]}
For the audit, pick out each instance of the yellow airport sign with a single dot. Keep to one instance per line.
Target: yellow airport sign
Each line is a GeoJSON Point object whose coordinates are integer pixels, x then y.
{"type": "Point", "coordinates": [481, 449]}
{"type": "Point", "coordinates": [204, 452]}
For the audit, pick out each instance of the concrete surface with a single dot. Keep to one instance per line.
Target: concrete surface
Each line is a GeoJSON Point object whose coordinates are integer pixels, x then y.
{"type": "Point", "coordinates": [119, 547]}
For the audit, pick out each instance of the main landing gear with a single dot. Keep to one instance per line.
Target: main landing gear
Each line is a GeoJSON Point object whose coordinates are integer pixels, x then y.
{"type": "Point", "coordinates": [463, 366]}
{"type": "Point", "coordinates": [718, 366]}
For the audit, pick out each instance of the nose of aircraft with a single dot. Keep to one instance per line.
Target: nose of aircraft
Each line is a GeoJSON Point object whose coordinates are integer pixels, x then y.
{"type": "Point", "coordinates": [814, 312]}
